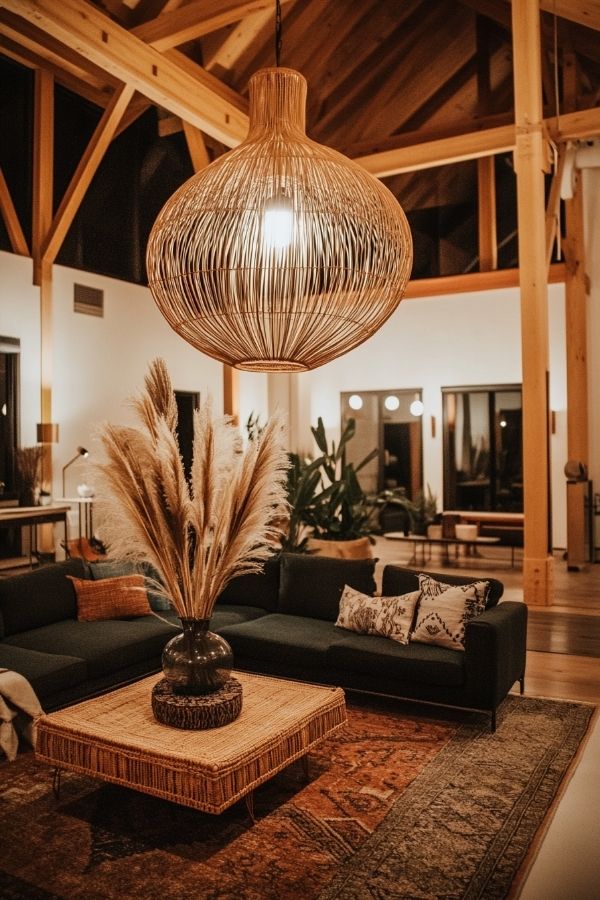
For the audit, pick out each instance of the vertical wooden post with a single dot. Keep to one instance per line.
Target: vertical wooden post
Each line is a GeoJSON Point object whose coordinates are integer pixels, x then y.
{"type": "Point", "coordinates": [43, 176]}
{"type": "Point", "coordinates": [531, 159]}
{"type": "Point", "coordinates": [231, 393]}
{"type": "Point", "coordinates": [486, 206]}
{"type": "Point", "coordinates": [577, 386]}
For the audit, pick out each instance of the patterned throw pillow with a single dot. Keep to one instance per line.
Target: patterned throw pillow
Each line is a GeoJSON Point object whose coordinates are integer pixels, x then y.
{"type": "Point", "coordinates": [430, 587]}
{"type": "Point", "coordinates": [441, 618]}
{"type": "Point", "coordinates": [389, 617]}
{"type": "Point", "coordinates": [111, 598]}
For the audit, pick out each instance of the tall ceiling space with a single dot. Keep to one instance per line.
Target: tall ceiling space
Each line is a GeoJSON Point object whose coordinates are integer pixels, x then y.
{"type": "Point", "coordinates": [382, 74]}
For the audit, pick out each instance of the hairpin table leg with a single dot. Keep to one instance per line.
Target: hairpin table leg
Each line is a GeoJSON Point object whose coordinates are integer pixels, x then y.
{"type": "Point", "coordinates": [249, 798]}
{"type": "Point", "coordinates": [56, 782]}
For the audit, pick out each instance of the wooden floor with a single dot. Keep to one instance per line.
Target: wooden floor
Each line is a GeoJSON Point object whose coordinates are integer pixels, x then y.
{"type": "Point", "coordinates": [563, 657]}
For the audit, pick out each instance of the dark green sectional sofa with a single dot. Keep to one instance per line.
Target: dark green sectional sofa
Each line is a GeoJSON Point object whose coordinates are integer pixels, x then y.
{"type": "Point", "coordinates": [280, 622]}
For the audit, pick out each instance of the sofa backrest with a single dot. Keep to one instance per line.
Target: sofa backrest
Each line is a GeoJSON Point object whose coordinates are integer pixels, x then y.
{"type": "Point", "coordinates": [312, 585]}
{"type": "Point", "coordinates": [40, 596]}
{"type": "Point", "coordinates": [260, 590]}
{"type": "Point", "coordinates": [399, 580]}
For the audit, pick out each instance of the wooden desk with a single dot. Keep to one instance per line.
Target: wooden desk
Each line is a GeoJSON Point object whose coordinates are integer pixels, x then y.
{"type": "Point", "coordinates": [422, 541]}
{"type": "Point", "coordinates": [32, 516]}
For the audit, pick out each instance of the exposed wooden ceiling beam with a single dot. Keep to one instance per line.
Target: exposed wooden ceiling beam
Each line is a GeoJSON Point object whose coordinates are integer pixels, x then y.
{"type": "Point", "coordinates": [85, 171]}
{"type": "Point", "coordinates": [584, 12]}
{"type": "Point", "coordinates": [570, 127]}
{"type": "Point", "coordinates": [17, 239]}
{"type": "Point", "coordinates": [224, 57]}
{"type": "Point", "coordinates": [474, 281]}
{"type": "Point", "coordinates": [86, 30]}
{"type": "Point", "coordinates": [196, 147]}
{"type": "Point", "coordinates": [43, 164]}
{"type": "Point", "coordinates": [441, 152]}
{"type": "Point", "coordinates": [196, 19]}
{"type": "Point", "coordinates": [56, 55]}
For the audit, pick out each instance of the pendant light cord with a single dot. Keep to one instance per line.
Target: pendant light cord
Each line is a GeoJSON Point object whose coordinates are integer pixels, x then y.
{"type": "Point", "coordinates": [278, 30]}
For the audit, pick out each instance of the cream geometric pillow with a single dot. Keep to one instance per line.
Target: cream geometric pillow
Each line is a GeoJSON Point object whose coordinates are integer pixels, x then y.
{"type": "Point", "coordinates": [432, 588]}
{"type": "Point", "coordinates": [441, 618]}
{"type": "Point", "coordinates": [389, 617]}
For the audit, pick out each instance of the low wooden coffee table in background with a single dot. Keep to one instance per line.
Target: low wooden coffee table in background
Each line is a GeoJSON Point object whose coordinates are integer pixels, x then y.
{"type": "Point", "coordinates": [116, 738]}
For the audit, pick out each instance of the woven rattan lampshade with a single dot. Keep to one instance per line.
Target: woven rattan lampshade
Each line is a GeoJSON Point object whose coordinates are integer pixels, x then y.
{"type": "Point", "coordinates": [282, 254]}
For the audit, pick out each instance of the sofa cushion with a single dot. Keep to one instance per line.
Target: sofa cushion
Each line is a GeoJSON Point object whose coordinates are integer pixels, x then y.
{"type": "Point", "coordinates": [390, 617]}
{"type": "Point", "coordinates": [232, 614]}
{"type": "Point", "coordinates": [399, 580]}
{"type": "Point", "coordinates": [293, 640]}
{"type": "Point", "coordinates": [441, 618]}
{"type": "Point", "coordinates": [260, 590]}
{"type": "Point", "coordinates": [397, 663]}
{"type": "Point", "coordinates": [110, 598]}
{"type": "Point", "coordinates": [46, 672]}
{"type": "Point", "coordinates": [112, 568]}
{"type": "Point", "coordinates": [105, 646]}
{"type": "Point", "coordinates": [312, 585]}
{"type": "Point", "coordinates": [39, 597]}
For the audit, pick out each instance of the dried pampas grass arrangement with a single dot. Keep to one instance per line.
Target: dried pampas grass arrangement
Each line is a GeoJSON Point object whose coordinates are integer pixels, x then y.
{"type": "Point", "coordinates": [198, 536]}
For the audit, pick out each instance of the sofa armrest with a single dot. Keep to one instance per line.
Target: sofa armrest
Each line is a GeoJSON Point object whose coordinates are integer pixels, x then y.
{"type": "Point", "coordinates": [495, 652]}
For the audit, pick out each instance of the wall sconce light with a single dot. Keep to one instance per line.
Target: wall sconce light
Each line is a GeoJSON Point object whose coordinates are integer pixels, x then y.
{"type": "Point", "coordinates": [391, 402]}
{"type": "Point", "coordinates": [46, 433]}
{"type": "Point", "coordinates": [416, 407]}
{"type": "Point", "coordinates": [81, 451]}
{"type": "Point", "coordinates": [355, 401]}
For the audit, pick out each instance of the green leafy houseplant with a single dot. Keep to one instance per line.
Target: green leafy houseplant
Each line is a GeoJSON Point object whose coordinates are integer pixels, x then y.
{"type": "Point", "coordinates": [425, 511]}
{"type": "Point", "coordinates": [338, 510]}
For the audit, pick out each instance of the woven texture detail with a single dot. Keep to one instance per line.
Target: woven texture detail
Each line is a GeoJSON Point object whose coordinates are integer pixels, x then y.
{"type": "Point", "coordinates": [111, 598]}
{"type": "Point", "coordinates": [117, 738]}
{"type": "Point", "coordinates": [282, 254]}
{"type": "Point", "coordinates": [210, 711]}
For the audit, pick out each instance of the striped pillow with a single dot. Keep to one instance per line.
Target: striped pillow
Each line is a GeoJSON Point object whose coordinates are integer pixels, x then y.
{"type": "Point", "coordinates": [111, 598]}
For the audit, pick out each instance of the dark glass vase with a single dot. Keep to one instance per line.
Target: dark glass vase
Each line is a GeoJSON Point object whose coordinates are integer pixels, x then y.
{"type": "Point", "coordinates": [197, 661]}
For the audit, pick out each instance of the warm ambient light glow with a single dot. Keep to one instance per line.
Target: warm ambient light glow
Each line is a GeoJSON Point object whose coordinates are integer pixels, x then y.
{"type": "Point", "coordinates": [416, 408]}
{"type": "Point", "coordinates": [282, 254]}
{"type": "Point", "coordinates": [391, 402]}
{"type": "Point", "coordinates": [355, 401]}
{"type": "Point", "coordinates": [278, 223]}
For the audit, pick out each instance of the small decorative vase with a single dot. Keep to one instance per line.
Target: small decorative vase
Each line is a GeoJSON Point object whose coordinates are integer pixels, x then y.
{"type": "Point", "coordinates": [197, 661]}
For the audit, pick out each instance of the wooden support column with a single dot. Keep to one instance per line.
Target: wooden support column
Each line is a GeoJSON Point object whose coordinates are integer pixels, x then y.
{"type": "Point", "coordinates": [531, 159]}
{"type": "Point", "coordinates": [43, 165]}
{"type": "Point", "coordinates": [231, 393]}
{"type": "Point", "coordinates": [43, 175]}
{"type": "Point", "coordinates": [486, 207]}
{"type": "Point", "coordinates": [577, 387]}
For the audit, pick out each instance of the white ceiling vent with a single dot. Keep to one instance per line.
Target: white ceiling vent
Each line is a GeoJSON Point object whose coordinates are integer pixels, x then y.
{"type": "Point", "coordinates": [88, 300]}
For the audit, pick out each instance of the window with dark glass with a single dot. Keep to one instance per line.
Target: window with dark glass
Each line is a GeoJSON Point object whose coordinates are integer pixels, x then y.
{"type": "Point", "coordinates": [483, 463]}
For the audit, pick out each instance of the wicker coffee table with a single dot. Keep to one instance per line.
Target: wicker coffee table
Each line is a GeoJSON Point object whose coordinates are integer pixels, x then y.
{"type": "Point", "coordinates": [116, 738]}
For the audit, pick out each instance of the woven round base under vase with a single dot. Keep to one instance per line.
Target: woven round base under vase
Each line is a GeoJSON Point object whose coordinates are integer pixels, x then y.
{"type": "Point", "coordinates": [196, 712]}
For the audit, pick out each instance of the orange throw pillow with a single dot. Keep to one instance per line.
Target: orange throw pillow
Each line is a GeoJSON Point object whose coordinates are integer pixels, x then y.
{"type": "Point", "coordinates": [111, 598]}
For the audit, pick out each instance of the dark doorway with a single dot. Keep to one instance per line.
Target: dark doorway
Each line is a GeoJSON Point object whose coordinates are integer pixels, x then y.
{"type": "Point", "coordinates": [10, 538]}
{"type": "Point", "coordinates": [187, 402]}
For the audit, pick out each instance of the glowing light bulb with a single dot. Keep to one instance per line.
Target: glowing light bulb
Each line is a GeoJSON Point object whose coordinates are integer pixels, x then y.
{"type": "Point", "coordinates": [503, 423]}
{"type": "Point", "coordinates": [278, 223]}
{"type": "Point", "coordinates": [391, 402]}
{"type": "Point", "coordinates": [416, 408]}
{"type": "Point", "coordinates": [355, 401]}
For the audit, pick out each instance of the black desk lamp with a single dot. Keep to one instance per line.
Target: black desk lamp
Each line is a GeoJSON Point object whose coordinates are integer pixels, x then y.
{"type": "Point", "coordinates": [81, 451]}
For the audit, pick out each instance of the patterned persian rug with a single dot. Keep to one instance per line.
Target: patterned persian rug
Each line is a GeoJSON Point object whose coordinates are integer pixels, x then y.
{"type": "Point", "coordinates": [399, 804]}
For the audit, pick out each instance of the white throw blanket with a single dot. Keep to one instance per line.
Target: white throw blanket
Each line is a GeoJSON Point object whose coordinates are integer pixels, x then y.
{"type": "Point", "coordinates": [16, 695]}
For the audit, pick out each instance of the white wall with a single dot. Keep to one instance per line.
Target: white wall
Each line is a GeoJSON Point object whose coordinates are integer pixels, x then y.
{"type": "Point", "coordinates": [463, 339]}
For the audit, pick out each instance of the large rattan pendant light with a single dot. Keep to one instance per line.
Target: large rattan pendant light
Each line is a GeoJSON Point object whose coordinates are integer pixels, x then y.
{"type": "Point", "coordinates": [282, 254]}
